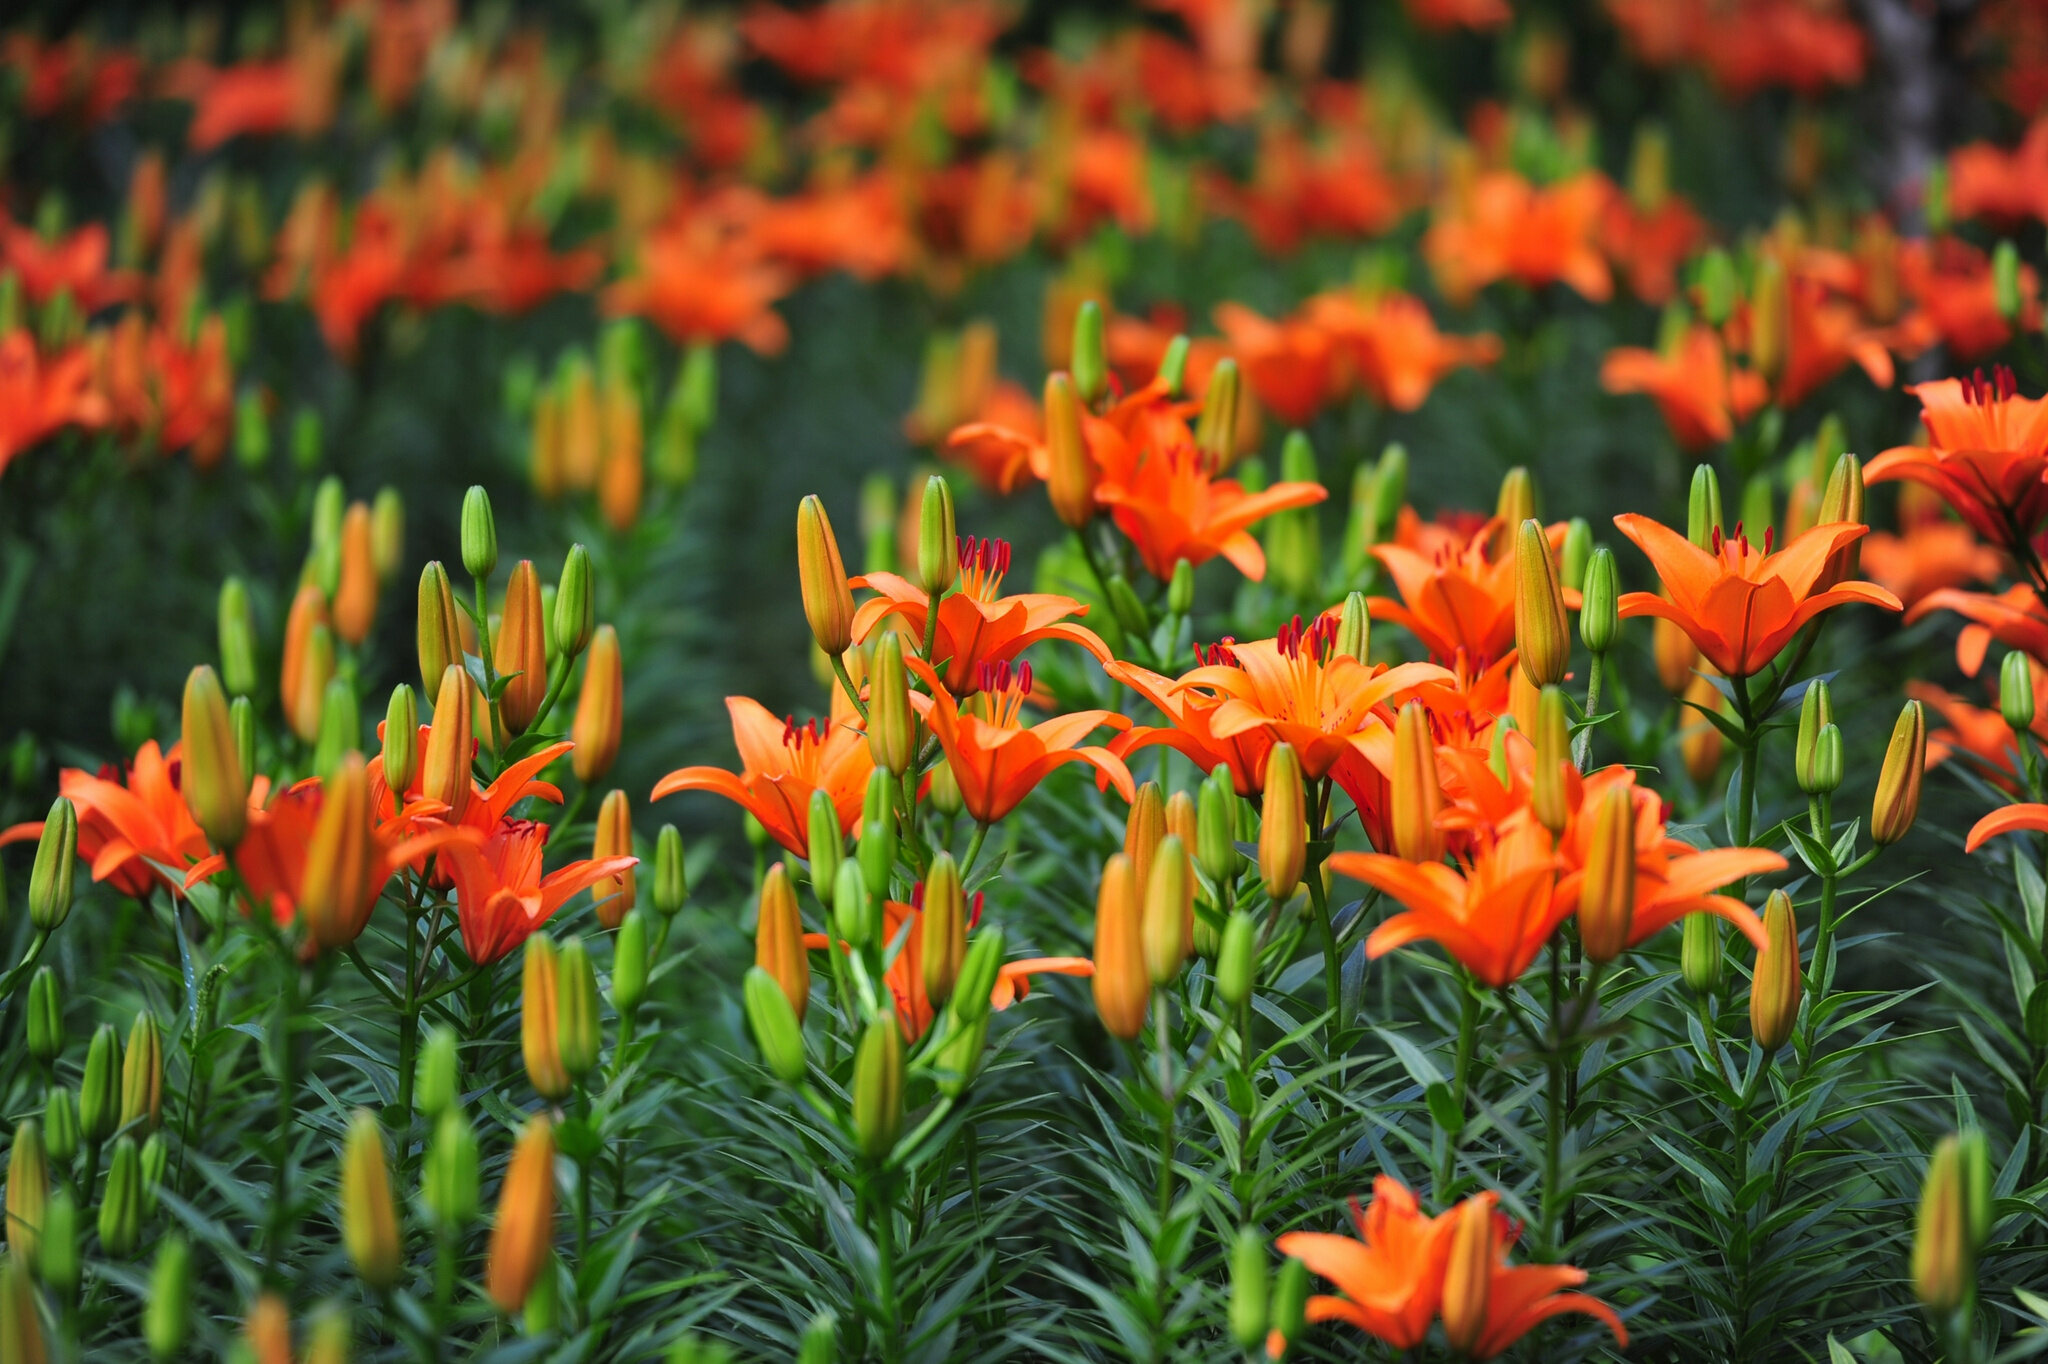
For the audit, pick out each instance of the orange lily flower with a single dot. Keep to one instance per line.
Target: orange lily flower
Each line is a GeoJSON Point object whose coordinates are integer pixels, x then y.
{"type": "Point", "coordinates": [178, 395]}
{"type": "Point", "coordinates": [1173, 509]}
{"type": "Point", "coordinates": [905, 976]}
{"type": "Point", "coordinates": [996, 445]}
{"type": "Point", "coordinates": [1649, 244]}
{"type": "Point", "coordinates": [294, 95]}
{"type": "Point", "coordinates": [1927, 557]}
{"type": "Point", "coordinates": [1503, 227]}
{"type": "Point", "coordinates": [1701, 395]}
{"type": "Point", "coordinates": [1291, 366]}
{"type": "Point", "coordinates": [1395, 349]}
{"type": "Point", "coordinates": [41, 395]}
{"type": "Point", "coordinates": [2025, 816]}
{"type": "Point", "coordinates": [976, 625]}
{"type": "Point", "coordinates": [1478, 15]}
{"type": "Point", "coordinates": [1457, 598]}
{"type": "Point", "coordinates": [501, 897]}
{"type": "Point", "coordinates": [271, 858]}
{"type": "Point", "coordinates": [1825, 334]}
{"type": "Point", "coordinates": [488, 806]}
{"type": "Point", "coordinates": [997, 761]}
{"type": "Point", "coordinates": [1742, 605]}
{"type": "Point", "coordinates": [1986, 454]}
{"type": "Point", "coordinates": [1982, 733]}
{"type": "Point", "coordinates": [1493, 913]}
{"type": "Point", "coordinates": [2013, 617]}
{"type": "Point", "coordinates": [700, 283]}
{"type": "Point", "coordinates": [75, 264]}
{"type": "Point", "coordinates": [1191, 729]}
{"type": "Point", "coordinates": [131, 827]}
{"type": "Point", "coordinates": [781, 764]}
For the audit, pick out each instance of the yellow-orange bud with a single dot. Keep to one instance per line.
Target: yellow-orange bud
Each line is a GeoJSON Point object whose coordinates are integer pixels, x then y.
{"type": "Point", "coordinates": [440, 627]}
{"type": "Point", "coordinates": [1774, 986]}
{"type": "Point", "coordinates": [444, 771]}
{"type": "Point", "coordinates": [582, 432]}
{"type": "Point", "coordinates": [523, 1235]}
{"type": "Point", "coordinates": [548, 468]}
{"type": "Point", "coordinates": [779, 940]}
{"type": "Point", "coordinates": [1070, 483]}
{"type": "Point", "coordinates": [1181, 817]}
{"type": "Point", "coordinates": [540, 1019]}
{"type": "Point", "coordinates": [1283, 825]}
{"type": "Point", "coordinates": [369, 1216]}
{"type": "Point", "coordinates": [308, 609]}
{"type": "Point", "coordinates": [892, 726]}
{"type": "Point", "coordinates": [1676, 654]}
{"type": "Point", "coordinates": [1548, 798]}
{"type": "Point", "coordinates": [624, 473]}
{"type": "Point", "coordinates": [338, 889]}
{"type": "Point", "coordinates": [1468, 1273]}
{"type": "Point", "coordinates": [1770, 317]}
{"type": "Point", "coordinates": [944, 923]}
{"type": "Point", "coordinates": [1699, 741]}
{"type": "Point", "coordinates": [828, 598]}
{"type": "Point", "coordinates": [522, 649]}
{"type": "Point", "coordinates": [1122, 988]}
{"type": "Point", "coordinates": [355, 592]}
{"type": "Point", "coordinates": [1168, 907]}
{"type": "Point", "coordinates": [1898, 782]}
{"type": "Point", "coordinates": [1416, 795]}
{"type": "Point", "coordinates": [615, 894]}
{"type": "Point", "coordinates": [600, 708]}
{"type": "Point", "coordinates": [1144, 826]}
{"type": "Point", "coordinates": [1542, 639]}
{"type": "Point", "coordinates": [315, 670]}
{"type": "Point", "coordinates": [1607, 897]}
{"type": "Point", "coordinates": [216, 788]}
{"type": "Point", "coordinates": [267, 1330]}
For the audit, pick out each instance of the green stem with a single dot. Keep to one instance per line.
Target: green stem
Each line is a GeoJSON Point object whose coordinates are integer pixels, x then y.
{"type": "Point", "coordinates": [973, 848]}
{"type": "Point", "coordinates": [483, 634]}
{"type": "Point", "coordinates": [882, 1203]}
{"type": "Point", "coordinates": [1582, 749]}
{"type": "Point", "coordinates": [281, 1138]}
{"type": "Point", "coordinates": [852, 692]}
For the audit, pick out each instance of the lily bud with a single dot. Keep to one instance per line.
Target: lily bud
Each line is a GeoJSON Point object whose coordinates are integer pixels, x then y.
{"type": "Point", "coordinates": [340, 723]}
{"type": "Point", "coordinates": [1699, 742]}
{"type": "Point", "coordinates": [1294, 551]}
{"type": "Point", "coordinates": [1516, 501]}
{"type": "Point", "coordinates": [1701, 959]}
{"type": "Point", "coordinates": [2016, 691]}
{"type": "Point", "coordinates": [142, 1075]}
{"type": "Point", "coordinates": [575, 618]}
{"type": "Point", "coordinates": [308, 661]}
{"type": "Point", "coordinates": [21, 1327]}
{"type": "Point", "coordinates": [1144, 826]}
{"type": "Point", "coordinates": [852, 910]}
{"type": "Point", "coordinates": [615, 895]}
{"type": "Point", "coordinates": [1180, 588]}
{"type": "Point", "coordinates": [938, 543]}
{"type": "Point", "coordinates": [671, 886]}
{"type": "Point", "coordinates": [57, 1259]}
{"type": "Point", "coordinates": [878, 1087]}
{"type": "Point", "coordinates": [1944, 1250]}
{"type": "Point", "coordinates": [2005, 280]}
{"type": "Point", "coordinates": [1237, 960]}
{"type": "Point", "coordinates": [1548, 798]}
{"type": "Point", "coordinates": [479, 534]}
{"type": "Point", "coordinates": [877, 849]}
{"type": "Point", "coordinates": [400, 759]}
{"type": "Point", "coordinates": [1468, 1273]}
{"type": "Point", "coordinates": [1121, 986]}
{"type": "Point", "coordinates": [267, 1334]}
{"type": "Point", "coordinates": [1173, 365]}
{"type": "Point", "coordinates": [45, 1016]}
{"type": "Point", "coordinates": [440, 632]}
{"type": "Point", "coordinates": [820, 1343]}
{"type": "Point", "coordinates": [355, 592]}
{"type": "Point", "coordinates": [522, 651]}
{"type": "Point", "coordinates": [1816, 712]}
{"type": "Point", "coordinates": [1216, 428]}
{"type": "Point", "coordinates": [1216, 828]}
{"type": "Point", "coordinates": [1283, 825]}
{"type": "Point", "coordinates": [327, 1339]}
{"type": "Point", "coordinates": [1389, 489]}
{"type": "Point", "coordinates": [577, 1038]}
{"type": "Point", "coordinates": [99, 1092]}
{"type": "Point", "coordinates": [120, 1221]}
{"type": "Point", "coordinates": [444, 774]}
{"type": "Point", "coordinates": [1070, 483]}
{"type": "Point", "coordinates": [1416, 796]}
{"type": "Point", "coordinates": [156, 1159]}
{"type": "Point", "coordinates": [1169, 905]}
{"type": "Point", "coordinates": [369, 1216]}
{"type": "Point", "coordinates": [28, 1191]}
{"type": "Point", "coordinates": [828, 599]}
{"type": "Point", "coordinates": [1576, 555]}
{"type": "Point", "coordinates": [448, 1181]}
{"type": "Point", "coordinates": [630, 960]}
{"type": "Point", "coordinates": [337, 888]}
{"type": "Point", "coordinates": [1290, 1299]}
{"type": "Point", "coordinates": [50, 877]}
{"type": "Point", "coordinates": [1770, 318]}
{"type": "Point", "coordinates": [1607, 896]}
{"type": "Point", "coordinates": [777, 1032]}
{"type": "Point", "coordinates": [1090, 367]}
{"type": "Point", "coordinates": [237, 639]}
{"type": "Point", "coordinates": [945, 928]}
{"type": "Point", "coordinates": [1898, 782]}
{"type": "Point", "coordinates": [1250, 1281]}
{"type": "Point", "coordinates": [522, 1238]}
{"type": "Point", "coordinates": [978, 973]}
{"type": "Point", "coordinates": [438, 1083]}
{"type": "Point", "coordinates": [1717, 286]}
{"type": "Point", "coordinates": [944, 792]}
{"type": "Point", "coordinates": [540, 1019]}
{"type": "Point", "coordinates": [1703, 507]}
{"type": "Point", "coordinates": [1774, 987]}
{"type": "Point", "coordinates": [1599, 613]}
{"type": "Point", "coordinates": [1181, 819]}
{"type": "Point", "coordinates": [779, 940]}
{"type": "Point", "coordinates": [1843, 501]}
{"type": "Point", "coordinates": [892, 725]}
{"type": "Point", "coordinates": [387, 532]}
{"type": "Point", "coordinates": [600, 705]}
{"type": "Point", "coordinates": [60, 1126]}
{"type": "Point", "coordinates": [827, 846]}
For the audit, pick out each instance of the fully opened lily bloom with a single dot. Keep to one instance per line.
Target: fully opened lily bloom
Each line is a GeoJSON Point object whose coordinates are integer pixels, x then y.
{"type": "Point", "coordinates": [1172, 508]}
{"type": "Point", "coordinates": [1506, 228]}
{"type": "Point", "coordinates": [1986, 454]}
{"type": "Point", "coordinates": [781, 764]}
{"type": "Point", "coordinates": [1493, 913]}
{"type": "Point", "coordinates": [2014, 617]}
{"type": "Point", "coordinates": [976, 625]}
{"type": "Point", "coordinates": [1191, 728]}
{"type": "Point", "coordinates": [129, 828]}
{"type": "Point", "coordinates": [1740, 604]}
{"type": "Point", "coordinates": [1459, 598]}
{"type": "Point", "coordinates": [1701, 394]}
{"type": "Point", "coordinates": [501, 897]}
{"type": "Point", "coordinates": [1928, 556]}
{"type": "Point", "coordinates": [995, 759]}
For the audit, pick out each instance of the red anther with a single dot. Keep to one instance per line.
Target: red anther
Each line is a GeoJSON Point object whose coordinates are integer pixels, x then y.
{"type": "Point", "coordinates": [1717, 539]}
{"type": "Point", "coordinates": [974, 919]}
{"type": "Point", "coordinates": [917, 896]}
{"type": "Point", "coordinates": [2008, 383]}
{"type": "Point", "coordinates": [788, 729]}
{"type": "Point", "coordinates": [1769, 531]}
{"type": "Point", "coordinates": [1024, 679]}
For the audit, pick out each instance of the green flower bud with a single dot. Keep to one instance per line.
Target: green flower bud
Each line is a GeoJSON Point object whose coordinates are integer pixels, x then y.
{"type": "Point", "coordinates": [1816, 712]}
{"type": "Point", "coordinates": [543, 1301]}
{"type": "Point", "coordinates": [850, 916]}
{"type": "Point", "coordinates": [1389, 489]}
{"type": "Point", "coordinates": [1290, 1299]}
{"type": "Point", "coordinates": [252, 431]}
{"type": "Point", "coordinates": [1090, 366]}
{"type": "Point", "coordinates": [958, 1058]}
{"type": "Point", "coordinates": [328, 1338]}
{"type": "Point", "coordinates": [28, 1190]}
{"type": "Point", "coordinates": [401, 756]}
{"type": "Point", "coordinates": [944, 793]}
{"type": "Point", "coordinates": [99, 1094]}
{"type": "Point", "coordinates": [1599, 613]}
{"type": "Point", "coordinates": [892, 725]}
{"type": "Point", "coordinates": [1576, 554]}
{"type": "Point", "coordinates": [820, 1343]}
{"type": "Point", "coordinates": [237, 639]}
{"type": "Point", "coordinates": [330, 505]}
{"type": "Point", "coordinates": [307, 437]}
{"type": "Point", "coordinates": [156, 1160]}
{"type": "Point", "coordinates": [774, 1025]}
{"type": "Point", "coordinates": [49, 880]}
{"type": "Point", "coordinates": [57, 1259]}
{"type": "Point", "coordinates": [1237, 961]}
{"type": "Point", "coordinates": [448, 1182]}
{"type": "Point", "coordinates": [387, 533]}
{"type": "Point", "coordinates": [1130, 613]}
{"type": "Point", "coordinates": [1294, 547]}
{"type": "Point", "coordinates": [45, 1016]}
{"type": "Point", "coordinates": [944, 928]}
{"type": "Point", "coordinates": [1700, 958]}
{"type": "Point", "coordinates": [368, 1214]}
{"type": "Point", "coordinates": [1173, 365]}
{"type": "Point", "coordinates": [242, 720]}
{"type": "Point", "coordinates": [438, 1082]}
{"type": "Point", "coordinates": [60, 1126]}
{"type": "Point", "coordinates": [479, 533]}
{"type": "Point", "coordinates": [1703, 507]}
{"type": "Point", "coordinates": [341, 725]}
{"type": "Point", "coordinates": [1827, 758]}
{"type": "Point", "coordinates": [1216, 430]}
{"type": "Point", "coordinates": [2005, 280]}
{"type": "Point", "coordinates": [167, 1316]}
{"type": "Point", "coordinates": [575, 613]}
{"type": "Point", "coordinates": [877, 851]}
{"type": "Point", "coordinates": [576, 1027]}
{"type": "Point", "coordinates": [142, 1075]}
{"type": "Point", "coordinates": [827, 847]}
{"type": "Point", "coordinates": [938, 543]}
{"type": "Point", "coordinates": [1180, 589]}
{"type": "Point", "coordinates": [1216, 828]}
{"type": "Point", "coordinates": [1717, 286]}
{"type": "Point", "coordinates": [439, 635]}
{"type": "Point", "coordinates": [2016, 691]}
{"type": "Point", "coordinates": [978, 972]}
{"type": "Point", "coordinates": [1944, 1262]}
{"type": "Point", "coordinates": [1250, 1279]}
{"type": "Point", "coordinates": [671, 889]}
{"type": "Point", "coordinates": [629, 962]}
{"type": "Point", "coordinates": [121, 1201]}
{"type": "Point", "coordinates": [878, 1087]}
